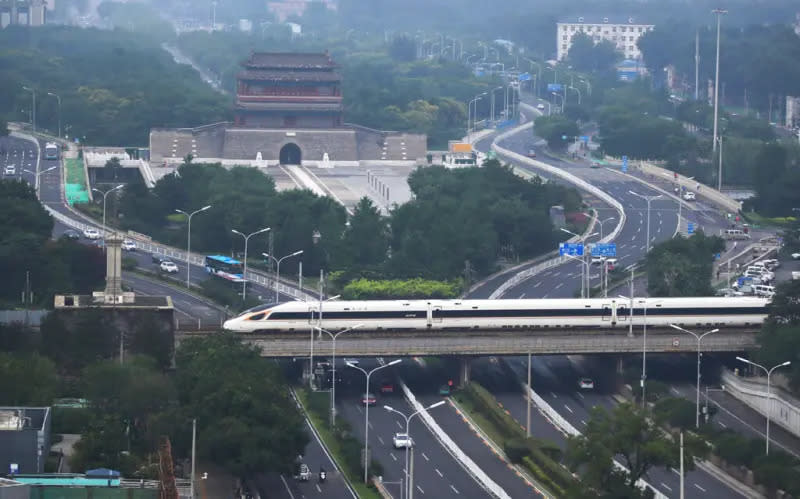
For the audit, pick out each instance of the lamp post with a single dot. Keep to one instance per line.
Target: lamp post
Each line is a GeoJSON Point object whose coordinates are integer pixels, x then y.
{"type": "Point", "coordinates": [492, 102]}
{"type": "Point", "coordinates": [33, 106]}
{"type": "Point", "coordinates": [278, 271]}
{"type": "Point", "coordinates": [579, 93]}
{"type": "Point", "coordinates": [719, 13]}
{"type": "Point", "coordinates": [644, 302]}
{"type": "Point", "coordinates": [601, 222]}
{"type": "Point", "coordinates": [769, 394]}
{"type": "Point", "coordinates": [585, 279]}
{"type": "Point", "coordinates": [648, 199]}
{"type": "Point", "coordinates": [333, 363]}
{"type": "Point", "coordinates": [556, 94]}
{"type": "Point", "coordinates": [59, 111]}
{"type": "Point", "coordinates": [244, 275]}
{"type": "Point", "coordinates": [469, 115]}
{"type": "Point", "coordinates": [37, 175]}
{"type": "Point", "coordinates": [366, 411]}
{"type": "Point", "coordinates": [105, 194]}
{"type": "Point", "coordinates": [588, 85]}
{"type": "Point", "coordinates": [189, 240]}
{"type": "Point", "coordinates": [584, 271]}
{"type": "Point", "coordinates": [410, 474]}
{"type": "Point", "coordinates": [719, 176]}
{"type": "Point", "coordinates": [699, 338]}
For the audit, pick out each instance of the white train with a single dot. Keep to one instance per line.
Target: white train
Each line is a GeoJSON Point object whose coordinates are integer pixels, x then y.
{"type": "Point", "coordinates": [414, 315]}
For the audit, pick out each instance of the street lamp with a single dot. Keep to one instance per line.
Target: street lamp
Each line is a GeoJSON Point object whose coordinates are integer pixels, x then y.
{"type": "Point", "coordinates": [36, 175]}
{"type": "Point", "coordinates": [719, 176]}
{"type": "Point", "coordinates": [244, 274]}
{"type": "Point", "coordinates": [189, 240]}
{"type": "Point", "coordinates": [584, 278]}
{"type": "Point", "coordinates": [366, 412]}
{"type": "Point", "coordinates": [556, 94]}
{"type": "Point", "coordinates": [719, 13]}
{"type": "Point", "coordinates": [278, 271]}
{"type": "Point", "coordinates": [588, 85]}
{"type": "Point", "coordinates": [769, 395]}
{"type": "Point", "coordinates": [469, 114]}
{"type": "Point", "coordinates": [59, 111]}
{"type": "Point", "coordinates": [33, 106]}
{"type": "Point", "coordinates": [579, 93]}
{"type": "Point", "coordinates": [644, 302]}
{"type": "Point", "coordinates": [104, 193]}
{"type": "Point", "coordinates": [492, 102]}
{"type": "Point", "coordinates": [601, 222]}
{"type": "Point", "coordinates": [410, 475]}
{"type": "Point", "coordinates": [699, 339]}
{"type": "Point", "coordinates": [648, 199]}
{"type": "Point", "coordinates": [333, 363]}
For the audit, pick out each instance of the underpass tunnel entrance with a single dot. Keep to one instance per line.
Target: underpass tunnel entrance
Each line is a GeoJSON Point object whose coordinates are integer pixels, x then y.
{"type": "Point", "coordinates": [290, 154]}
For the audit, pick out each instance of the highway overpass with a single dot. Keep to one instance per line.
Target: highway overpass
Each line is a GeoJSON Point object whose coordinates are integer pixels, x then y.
{"type": "Point", "coordinates": [504, 342]}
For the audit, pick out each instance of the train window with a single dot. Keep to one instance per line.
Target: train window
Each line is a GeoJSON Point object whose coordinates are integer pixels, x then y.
{"type": "Point", "coordinates": [257, 317]}
{"type": "Point", "coordinates": [622, 313]}
{"type": "Point", "coordinates": [475, 307]}
{"type": "Point", "coordinates": [606, 313]}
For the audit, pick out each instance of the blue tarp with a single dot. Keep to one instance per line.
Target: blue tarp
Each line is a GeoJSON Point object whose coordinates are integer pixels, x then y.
{"type": "Point", "coordinates": [102, 473]}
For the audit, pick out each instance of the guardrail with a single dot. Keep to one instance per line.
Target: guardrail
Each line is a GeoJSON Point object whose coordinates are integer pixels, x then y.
{"type": "Point", "coordinates": [566, 427]}
{"type": "Point", "coordinates": [146, 244]}
{"type": "Point", "coordinates": [578, 182]}
{"type": "Point", "coordinates": [783, 409]}
{"type": "Point", "coordinates": [490, 485]}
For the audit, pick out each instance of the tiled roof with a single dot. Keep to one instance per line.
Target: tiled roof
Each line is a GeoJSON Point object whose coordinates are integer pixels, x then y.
{"type": "Point", "coordinates": [288, 60]}
{"type": "Point", "coordinates": [262, 75]}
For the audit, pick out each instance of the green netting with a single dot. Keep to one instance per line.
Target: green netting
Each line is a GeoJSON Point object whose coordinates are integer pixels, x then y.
{"type": "Point", "coordinates": [92, 493]}
{"type": "Point", "coordinates": [75, 185]}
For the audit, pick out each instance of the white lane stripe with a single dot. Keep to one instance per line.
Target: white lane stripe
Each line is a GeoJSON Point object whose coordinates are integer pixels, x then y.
{"type": "Point", "coordinates": [393, 456]}
{"type": "Point", "coordinates": [537, 284]}
{"type": "Point", "coordinates": [699, 487]}
{"type": "Point", "coordinates": [381, 441]}
{"type": "Point", "coordinates": [567, 408]}
{"type": "Point", "coordinates": [559, 285]}
{"type": "Point", "coordinates": [426, 457]}
{"type": "Point", "coordinates": [455, 490]}
{"type": "Point", "coordinates": [420, 489]}
{"type": "Point", "coordinates": [666, 486]}
{"type": "Point", "coordinates": [438, 472]}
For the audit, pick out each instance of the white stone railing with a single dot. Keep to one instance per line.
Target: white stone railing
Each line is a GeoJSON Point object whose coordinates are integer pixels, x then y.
{"type": "Point", "coordinates": [784, 410]}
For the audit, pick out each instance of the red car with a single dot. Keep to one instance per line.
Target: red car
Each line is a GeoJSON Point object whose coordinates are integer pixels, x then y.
{"type": "Point", "coordinates": [387, 387]}
{"type": "Point", "coordinates": [369, 399]}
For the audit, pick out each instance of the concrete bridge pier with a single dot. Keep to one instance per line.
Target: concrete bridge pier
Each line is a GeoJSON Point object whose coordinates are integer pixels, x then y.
{"type": "Point", "coordinates": [464, 367]}
{"type": "Point", "coordinates": [620, 366]}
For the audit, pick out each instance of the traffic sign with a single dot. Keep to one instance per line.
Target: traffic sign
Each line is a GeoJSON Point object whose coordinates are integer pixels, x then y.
{"type": "Point", "coordinates": [524, 77]}
{"type": "Point", "coordinates": [554, 87]}
{"type": "Point", "coordinates": [585, 139]}
{"type": "Point", "coordinates": [690, 228]}
{"type": "Point", "coordinates": [603, 249]}
{"type": "Point", "coordinates": [571, 249]}
{"type": "Point", "coordinates": [624, 163]}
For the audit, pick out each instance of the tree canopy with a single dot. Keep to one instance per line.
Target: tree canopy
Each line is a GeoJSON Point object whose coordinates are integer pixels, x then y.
{"type": "Point", "coordinates": [558, 130]}
{"type": "Point", "coordinates": [682, 266]}
{"type": "Point", "coordinates": [780, 337]}
{"type": "Point", "coordinates": [587, 56]}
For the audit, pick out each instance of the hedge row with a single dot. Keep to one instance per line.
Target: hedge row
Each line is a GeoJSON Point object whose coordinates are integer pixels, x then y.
{"type": "Point", "coordinates": [540, 458]}
{"type": "Point", "coordinates": [365, 289]}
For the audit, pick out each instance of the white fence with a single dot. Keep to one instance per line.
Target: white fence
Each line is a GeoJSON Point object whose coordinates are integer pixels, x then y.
{"type": "Point", "coordinates": [784, 409]}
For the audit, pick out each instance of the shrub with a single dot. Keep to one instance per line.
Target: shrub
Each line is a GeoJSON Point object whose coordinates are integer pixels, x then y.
{"type": "Point", "coordinates": [516, 450]}
{"type": "Point", "coordinates": [70, 420]}
{"type": "Point", "coordinates": [129, 263]}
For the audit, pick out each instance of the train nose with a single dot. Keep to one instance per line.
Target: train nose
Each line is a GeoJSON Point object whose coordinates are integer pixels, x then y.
{"type": "Point", "coordinates": [229, 324]}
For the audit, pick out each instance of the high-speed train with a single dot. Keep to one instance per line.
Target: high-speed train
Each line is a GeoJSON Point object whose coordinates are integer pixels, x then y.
{"type": "Point", "coordinates": [416, 315]}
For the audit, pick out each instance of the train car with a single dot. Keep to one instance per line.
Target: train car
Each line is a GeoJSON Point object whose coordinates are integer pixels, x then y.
{"type": "Point", "coordinates": [414, 315]}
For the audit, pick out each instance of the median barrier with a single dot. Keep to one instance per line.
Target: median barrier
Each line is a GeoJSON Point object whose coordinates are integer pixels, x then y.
{"type": "Point", "coordinates": [486, 482]}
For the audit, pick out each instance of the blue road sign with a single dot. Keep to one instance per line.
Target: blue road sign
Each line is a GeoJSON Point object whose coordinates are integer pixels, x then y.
{"type": "Point", "coordinates": [554, 87]}
{"type": "Point", "coordinates": [624, 163]}
{"type": "Point", "coordinates": [563, 137]}
{"type": "Point", "coordinates": [604, 249]}
{"type": "Point", "coordinates": [524, 77]}
{"type": "Point", "coordinates": [571, 249]}
{"type": "Point", "coordinates": [585, 139]}
{"type": "Point", "coordinates": [690, 228]}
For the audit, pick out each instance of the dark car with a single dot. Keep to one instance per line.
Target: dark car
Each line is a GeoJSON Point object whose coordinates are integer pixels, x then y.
{"type": "Point", "coordinates": [71, 234]}
{"type": "Point", "coordinates": [157, 259]}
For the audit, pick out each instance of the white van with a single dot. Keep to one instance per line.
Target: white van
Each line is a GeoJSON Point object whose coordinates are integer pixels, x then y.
{"type": "Point", "coordinates": [735, 234]}
{"type": "Point", "coordinates": [764, 290]}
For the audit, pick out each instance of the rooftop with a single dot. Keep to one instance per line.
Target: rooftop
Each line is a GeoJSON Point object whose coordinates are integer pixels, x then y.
{"type": "Point", "coordinates": [593, 19]}
{"type": "Point", "coordinates": [289, 60]}
{"type": "Point", "coordinates": [20, 418]}
{"type": "Point", "coordinates": [322, 76]}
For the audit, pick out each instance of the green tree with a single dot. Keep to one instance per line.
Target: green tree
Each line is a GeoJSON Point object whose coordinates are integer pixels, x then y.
{"type": "Point", "coordinates": [628, 434]}
{"type": "Point", "coordinates": [366, 239]}
{"type": "Point", "coordinates": [3, 128]}
{"type": "Point", "coordinates": [242, 405]}
{"type": "Point", "coordinates": [682, 266]}
{"type": "Point", "coordinates": [558, 130]}
{"type": "Point", "coordinates": [403, 49]}
{"type": "Point", "coordinates": [780, 337]}
{"type": "Point", "coordinates": [587, 56]}
{"type": "Point", "coordinates": [27, 379]}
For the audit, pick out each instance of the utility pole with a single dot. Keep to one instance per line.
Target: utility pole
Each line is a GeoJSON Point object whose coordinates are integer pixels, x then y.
{"type": "Point", "coordinates": [696, 64]}
{"type": "Point", "coordinates": [194, 441]}
{"type": "Point", "coordinates": [682, 486]}
{"type": "Point", "coordinates": [719, 13]}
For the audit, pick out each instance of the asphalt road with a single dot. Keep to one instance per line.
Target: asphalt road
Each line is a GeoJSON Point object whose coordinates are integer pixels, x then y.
{"type": "Point", "coordinates": [436, 472]}
{"type": "Point", "coordinates": [559, 372]}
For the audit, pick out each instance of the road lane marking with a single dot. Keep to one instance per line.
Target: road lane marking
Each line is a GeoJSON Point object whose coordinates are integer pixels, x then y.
{"type": "Point", "coordinates": [455, 490]}
{"type": "Point", "coordinates": [381, 441]}
{"type": "Point", "coordinates": [699, 487]}
{"type": "Point", "coordinates": [567, 408]}
{"type": "Point", "coordinates": [522, 296]}
{"type": "Point", "coordinates": [537, 284]}
{"type": "Point", "coordinates": [674, 390]}
{"type": "Point", "coordinates": [438, 472]}
{"type": "Point", "coordinates": [393, 456]}
{"type": "Point", "coordinates": [559, 285]}
{"type": "Point", "coordinates": [666, 486]}
{"type": "Point", "coordinates": [556, 274]}
{"type": "Point", "coordinates": [583, 422]}
{"type": "Point", "coordinates": [398, 424]}
{"type": "Point", "coordinates": [420, 489]}
{"type": "Point", "coordinates": [319, 489]}
{"type": "Point", "coordinates": [371, 427]}
{"type": "Point", "coordinates": [426, 457]}
{"type": "Point", "coordinates": [554, 395]}
{"type": "Point", "coordinates": [675, 471]}
{"type": "Point", "coordinates": [287, 487]}
{"type": "Point", "coordinates": [546, 295]}
{"type": "Point", "coordinates": [722, 424]}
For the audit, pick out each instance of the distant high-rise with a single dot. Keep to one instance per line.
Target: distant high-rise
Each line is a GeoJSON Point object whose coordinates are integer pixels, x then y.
{"type": "Point", "coordinates": [22, 12]}
{"type": "Point", "coordinates": [624, 33]}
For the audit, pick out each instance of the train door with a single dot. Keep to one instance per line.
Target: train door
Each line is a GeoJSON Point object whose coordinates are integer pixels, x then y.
{"type": "Point", "coordinates": [436, 314]}
{"type": "Point", "coordinates": [623, 313]}
{"type": "Point", "coordinates": [607, 313]}
{"type": "Point", "coordinates": [313, 315]}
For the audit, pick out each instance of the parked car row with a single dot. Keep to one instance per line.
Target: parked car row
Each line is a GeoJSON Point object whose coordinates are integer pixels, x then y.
{"type": "Point", "coordinates": [756, 279]}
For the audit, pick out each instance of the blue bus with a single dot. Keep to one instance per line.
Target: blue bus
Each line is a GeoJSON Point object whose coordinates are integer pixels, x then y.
{"type": "Point", "coordinates": [51, 150]}
{"type": "Point", "coordinates": [225, 267]}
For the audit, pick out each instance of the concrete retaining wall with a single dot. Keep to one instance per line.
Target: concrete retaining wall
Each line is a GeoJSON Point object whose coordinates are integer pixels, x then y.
{"type": "Point", "coordinates": [785, 409]}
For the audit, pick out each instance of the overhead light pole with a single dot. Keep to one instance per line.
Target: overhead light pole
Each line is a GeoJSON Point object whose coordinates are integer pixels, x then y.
{"type": "Point", "coordinates": [189, 241]}
{"type": "Point", "coordinates": [58, 98]}
{"type": "Point", "coordinates": [492, 102]}
{"type": "Point", "coordinates": [33, 105]}
{"type": "Point", "coordinates": [719, 13]}
{"type": "Point", "coordinates": [769, 394]}
{"type": "Point", "coordinates": [410, 474]}
{"type": "Point", "coordinates": [367, 374]}
{"type": "Point", "coordinates": [585, 278]}
{"type": "Point", "coordinates": [699, 338]}
{"type": "Point", "coordinates": [278, 270]}
{"type": "Point", "coordinates": [333, 364]}
{"type": "Point", "coordinates": [104, 193]}
{"type": "Point", "coordinates": [470, 117]}
{"type": "Point", "coordinates": [648, 199]}
{"type": "Point", "coordinates": [244, 274]}
{"type": "Point", "coordinates": [37, 175]}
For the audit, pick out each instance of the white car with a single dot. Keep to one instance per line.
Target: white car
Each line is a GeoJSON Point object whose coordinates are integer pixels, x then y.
{"type": "Point", "coordinates": [91, 233]}
{"type": "Point", "coordinates": [168, 267]}
{"type": "Point", "coordinates": [10, 170]}
{"type": "Point", "coordinates": [128, 245]}
{"type": "Point", "coordinates": [795, 256]}
{"type": "Point", "coordinates": [402, 441]}
{"type": "Point", "coordinates": [540, 107]}
{"type": "Point", "coordinates": [586, 384]}
{"type": "Point", "coordinates": [689, 196]}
